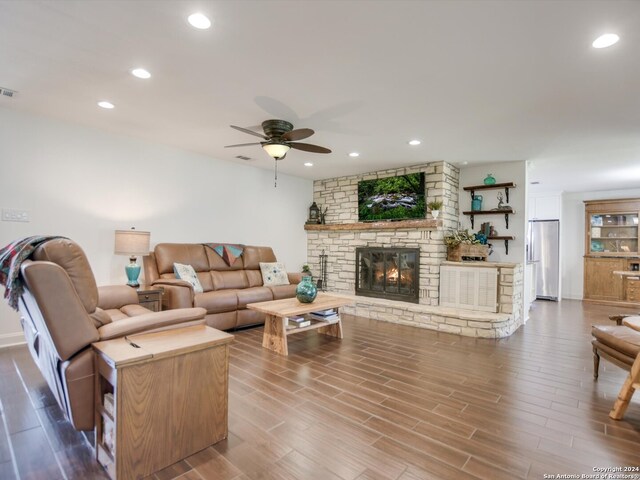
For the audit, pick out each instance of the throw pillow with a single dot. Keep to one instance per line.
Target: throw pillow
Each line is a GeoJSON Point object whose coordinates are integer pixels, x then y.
{"type": "Point", "coordinates": [273, 274]}
{"type": "Point", "coordinates": [188, 274]}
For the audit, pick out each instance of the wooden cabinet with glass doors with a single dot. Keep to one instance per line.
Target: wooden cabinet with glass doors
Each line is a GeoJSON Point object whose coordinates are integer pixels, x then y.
{"type": "Point", "coordinates": [612, 259]}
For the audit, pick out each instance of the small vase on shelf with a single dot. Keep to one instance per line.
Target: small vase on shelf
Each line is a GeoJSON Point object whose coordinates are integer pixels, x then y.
{"type": "Point", "coordinates": [489, 179]}
{"type": "Point", "coordinates": [306, 291]}
{"type": "Point", "coordinates": [435, 214]}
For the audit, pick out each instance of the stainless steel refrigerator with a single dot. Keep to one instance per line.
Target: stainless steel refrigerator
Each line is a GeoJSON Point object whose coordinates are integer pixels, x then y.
{"type": "Point", "coordinates": [543, 251]}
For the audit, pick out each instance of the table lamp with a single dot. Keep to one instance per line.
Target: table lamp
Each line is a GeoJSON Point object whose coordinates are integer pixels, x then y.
{"type": "Point", "coordinates": [132, 242]}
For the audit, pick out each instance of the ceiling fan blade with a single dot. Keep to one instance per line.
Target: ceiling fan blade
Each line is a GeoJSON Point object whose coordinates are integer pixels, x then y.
{"type": "Point", "coordinates": [298, 134]}
{"type": "Point", "coordinates": [250, 132]}
{"type": "Point", "coordinates": [242, 144]}
{"type": "Point", "coordinates": [307, 147]}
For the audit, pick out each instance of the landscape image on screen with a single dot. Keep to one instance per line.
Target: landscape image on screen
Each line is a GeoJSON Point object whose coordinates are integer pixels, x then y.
{"type": "Point", "coordinates": [391, 198]}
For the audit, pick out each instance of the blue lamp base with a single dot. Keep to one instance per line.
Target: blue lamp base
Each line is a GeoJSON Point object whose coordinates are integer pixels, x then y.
{"type": "Point", "coordinates": [133, 272]}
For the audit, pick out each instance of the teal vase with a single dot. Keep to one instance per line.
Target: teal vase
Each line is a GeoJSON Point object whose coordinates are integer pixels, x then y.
{"type": "Point", "coordinates": [489, 179]}
{"type": "Point", "coordinates": [306, 291]}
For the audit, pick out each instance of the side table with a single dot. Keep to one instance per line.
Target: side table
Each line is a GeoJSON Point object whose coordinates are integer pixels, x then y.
{"type": "Point", "coordinates": [160, 397]}
{"type": "Point", "coordinates": [150, 297]}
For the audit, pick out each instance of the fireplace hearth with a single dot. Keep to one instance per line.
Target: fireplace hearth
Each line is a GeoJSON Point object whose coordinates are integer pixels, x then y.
{"type": "Point", "coordinates": [391, 273]}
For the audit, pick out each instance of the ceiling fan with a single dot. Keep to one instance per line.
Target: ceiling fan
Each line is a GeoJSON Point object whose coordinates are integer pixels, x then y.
{"type": "Point", "coordinates": [279, 136]}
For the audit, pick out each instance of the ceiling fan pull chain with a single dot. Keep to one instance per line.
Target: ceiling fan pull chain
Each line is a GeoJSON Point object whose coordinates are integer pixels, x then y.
{"type": "Point", "coordinates": [275, 184]}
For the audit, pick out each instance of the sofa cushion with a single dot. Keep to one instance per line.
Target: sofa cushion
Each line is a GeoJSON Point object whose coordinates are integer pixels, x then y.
{"type": "Point", "coordinates": [620, 338]}
{"type": "Point", "coordinates": [188, 274]}
{"type": "Point", "coordinates": [217, 301]}
{"type": "Point", "coordinates": [229, 279]}
{"type": "Point", "coordinates": [273, 273]}
{"type": "Point", "coordinates": [166, 254]}
{"type": "Point", "coordinates": [283, 291]}
{"type": "Point", "coordinates": [252, 257]}
{"type": "Point", "coordinates": [253, 295]}
{"type": "Point", "coordinates": [254, 277]}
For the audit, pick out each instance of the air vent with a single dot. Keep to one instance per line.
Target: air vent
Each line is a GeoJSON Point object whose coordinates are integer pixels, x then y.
{"type": "Point", "coordinates": [242, 157]}
{"type": "Point", "coordinates": [7, 92]}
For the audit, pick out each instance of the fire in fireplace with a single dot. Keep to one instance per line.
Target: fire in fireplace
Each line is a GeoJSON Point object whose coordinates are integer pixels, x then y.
{"type": "Point", "coordinates": [391, 273]}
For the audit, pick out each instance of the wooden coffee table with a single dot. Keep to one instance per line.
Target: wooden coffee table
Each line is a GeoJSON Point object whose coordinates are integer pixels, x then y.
{"type": "Point", "coordinates": [275, 329]}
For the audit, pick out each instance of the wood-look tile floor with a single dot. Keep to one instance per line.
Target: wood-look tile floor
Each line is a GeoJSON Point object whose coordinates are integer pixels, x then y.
{"type": "Point", "coordinates": [386, 402]}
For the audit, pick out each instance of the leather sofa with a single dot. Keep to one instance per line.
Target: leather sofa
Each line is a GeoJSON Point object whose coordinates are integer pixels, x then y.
{"type": "Point", "coordinates": [227, 289]}
{"type": "Point", "coordinates": [63, 312]}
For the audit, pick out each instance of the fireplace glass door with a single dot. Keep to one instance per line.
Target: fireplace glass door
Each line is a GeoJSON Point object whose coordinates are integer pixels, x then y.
{"type": "Point", "coordinates": [388, 273]}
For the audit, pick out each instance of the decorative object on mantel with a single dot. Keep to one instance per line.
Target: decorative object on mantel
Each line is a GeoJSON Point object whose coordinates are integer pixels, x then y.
{"type": "Point", "coordinates": [435, 207]}
{"type": "Point", "coordinates": [306, 291]}
{"type": "Point", "coordinates": [476, 203]}
{"type": "Point", "coordinates": [314, 214]}
{"type": "Point", "coordinates": [489, 179]}
{"type": "Point", "coordinates": [464, 246]}
{"type": "Point", "coordinates": [323, 215]}
{"type": "Point", "coordinates": [322, 281]}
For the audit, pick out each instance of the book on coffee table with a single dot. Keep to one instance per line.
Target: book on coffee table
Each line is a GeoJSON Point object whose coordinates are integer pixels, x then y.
{"type": "Point", "coordinates": [298, 321]}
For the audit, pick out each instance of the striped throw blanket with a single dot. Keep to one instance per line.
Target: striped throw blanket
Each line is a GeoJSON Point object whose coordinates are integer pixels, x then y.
{"type": "Point", "coordinates": [11, 258]}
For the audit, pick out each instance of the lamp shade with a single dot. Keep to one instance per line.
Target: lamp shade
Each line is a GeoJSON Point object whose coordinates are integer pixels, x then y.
{"type": "Point", "coordinates": [276, 150]}
{"type": "Point", "coordinates": [132, 242]}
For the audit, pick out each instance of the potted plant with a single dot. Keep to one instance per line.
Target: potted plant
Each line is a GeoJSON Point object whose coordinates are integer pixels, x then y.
{"type": "Point", "coordinates": [306, 271]}
{"type": "Point", "coordinates": [435, 207]}
{"type": "Point", "coordinates": [462, 245]}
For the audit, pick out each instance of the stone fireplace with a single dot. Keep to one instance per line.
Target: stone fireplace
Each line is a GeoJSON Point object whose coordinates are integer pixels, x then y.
{"type": "Point", "coordinates": [350, 245]}
{"type": "Point", "coordinates": [391, 273]}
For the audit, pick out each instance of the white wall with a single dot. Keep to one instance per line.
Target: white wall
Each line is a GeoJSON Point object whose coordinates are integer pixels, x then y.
{"type": "Point", "coordinates": [503, 172]}
{"type": "Point", "coordinates": [572, 244]}
{"type": "Point", "coordinates": [84, 184]}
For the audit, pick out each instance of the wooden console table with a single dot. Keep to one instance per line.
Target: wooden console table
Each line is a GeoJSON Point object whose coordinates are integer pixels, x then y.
{"type": "Point", "coordinates": [170, 392]}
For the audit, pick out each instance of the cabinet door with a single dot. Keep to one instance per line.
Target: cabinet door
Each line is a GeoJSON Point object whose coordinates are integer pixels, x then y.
{"type": "Point", "coordinates": [599, 281]}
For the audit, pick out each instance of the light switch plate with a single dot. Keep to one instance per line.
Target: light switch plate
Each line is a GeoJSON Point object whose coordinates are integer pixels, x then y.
{"type": "Point", "coordinates": [14, 215]}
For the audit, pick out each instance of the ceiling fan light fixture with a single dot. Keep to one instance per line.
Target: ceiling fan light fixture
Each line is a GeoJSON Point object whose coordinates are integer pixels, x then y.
{"type": "Point", "coordinates": [276, 150]}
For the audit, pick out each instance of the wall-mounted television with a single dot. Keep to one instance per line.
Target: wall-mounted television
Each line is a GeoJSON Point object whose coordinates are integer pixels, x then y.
{"type": "Point", "coordinates": [391, 198]}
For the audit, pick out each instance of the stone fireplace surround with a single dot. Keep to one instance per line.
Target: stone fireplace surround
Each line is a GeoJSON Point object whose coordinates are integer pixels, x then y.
{"type": "Point", "coordinates": [343, 233]}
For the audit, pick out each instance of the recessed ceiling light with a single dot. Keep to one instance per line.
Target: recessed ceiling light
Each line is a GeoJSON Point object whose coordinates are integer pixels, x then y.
{"type": "Point", "coordinates": [354, 154]}
{"type": "Point", "coordinates": [308, 164]}
{"type": "Point", "coordinates": [140, 73]}
{"type": "Point", "coordinates": [414, 142]}
{"type": "Point", "coordinates": [105, 104]}
{"type": "Point", "coordinates": [606, 40]}
{"type": "Point", "coordinates": [198, 20]}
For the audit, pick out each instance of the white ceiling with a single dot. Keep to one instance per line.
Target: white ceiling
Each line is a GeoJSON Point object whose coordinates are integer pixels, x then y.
{"type": "Point", "coordinates": [476, 81]}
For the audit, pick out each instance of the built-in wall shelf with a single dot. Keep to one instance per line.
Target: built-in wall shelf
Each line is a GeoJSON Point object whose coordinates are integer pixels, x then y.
{"type": "Point", "coordinates": [496, 186]}
{"type": "Point", "coordinates": [504, 212]}
{"type": "Point", "coordinates": [426, 224]}
{"type": "Point", "coordinates": [506, 239]}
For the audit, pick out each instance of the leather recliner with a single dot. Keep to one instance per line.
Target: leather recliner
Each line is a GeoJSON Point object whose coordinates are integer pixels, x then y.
{"type": "Point", "coordinates": [63, 312]}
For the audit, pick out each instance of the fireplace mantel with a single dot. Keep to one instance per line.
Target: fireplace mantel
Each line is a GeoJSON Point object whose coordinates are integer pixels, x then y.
{"type": "Point", "coordinates": [424, 224]}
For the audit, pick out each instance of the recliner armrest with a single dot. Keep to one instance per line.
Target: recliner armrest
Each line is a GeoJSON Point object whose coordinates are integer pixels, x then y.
{"type": "Point", "coordinates": [150, 321]}
{"type": "Point", "coordinates": [116, 296]}
{"type": "Point", "coordinates": [177, 293]}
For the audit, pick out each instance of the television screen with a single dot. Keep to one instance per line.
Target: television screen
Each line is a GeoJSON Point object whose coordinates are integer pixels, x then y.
{"type": "Point", "coordinates": [391, 198]}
